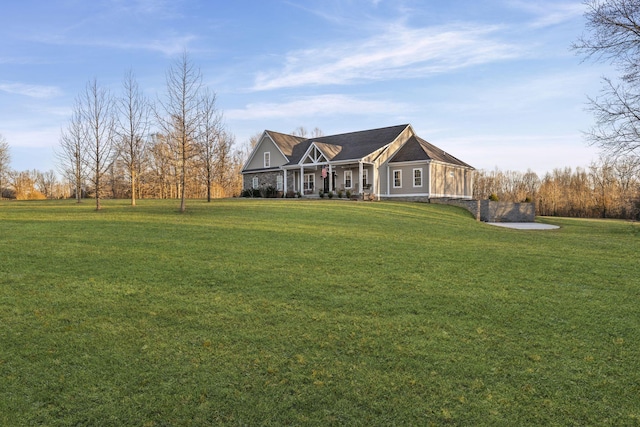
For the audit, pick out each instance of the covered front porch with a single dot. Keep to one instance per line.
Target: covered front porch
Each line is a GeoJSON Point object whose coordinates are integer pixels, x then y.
{"type": "Point", "coordinates": [311, 179]}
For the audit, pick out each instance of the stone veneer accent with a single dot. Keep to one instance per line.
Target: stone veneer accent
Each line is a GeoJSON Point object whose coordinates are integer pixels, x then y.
{"type": "Point", "coordinates": [265, 179]}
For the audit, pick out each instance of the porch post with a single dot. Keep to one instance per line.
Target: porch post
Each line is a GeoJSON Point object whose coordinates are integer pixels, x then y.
{"type": "Point", "coordinates": [302, 180]}
{"type": "Point", "coordinates": [330, 179]}
{"type": "Point", "coordinates": [360, 177]}
{"type": "Point", "coordinates": [285, 182]}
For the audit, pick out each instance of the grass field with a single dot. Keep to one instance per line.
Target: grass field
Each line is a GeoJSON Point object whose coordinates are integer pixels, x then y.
{"type": "Point", "coordinates": [287, 312]}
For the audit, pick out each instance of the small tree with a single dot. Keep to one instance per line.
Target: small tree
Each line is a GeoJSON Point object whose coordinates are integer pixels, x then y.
{"type": "Point", "coordinates": [5, 159]}
{"type": "Point", "coordinates": [133, 127]}
{"type": "Point", "coordinates": [96, 109]}
{"type": "Point", "coordinates": [179, 117]}
{"type": "Point", "coordinates": [71, 153]}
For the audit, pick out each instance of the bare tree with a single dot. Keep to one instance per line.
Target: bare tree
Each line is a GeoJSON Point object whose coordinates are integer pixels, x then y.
{"type": "Point", "coordinates": [133, 127]}
{"type": "Point", "coordinates": [71, 153]}
{"type": "Point", "coordinates": [96, 108]}
{"type": "Point", "coordinates": [613, 36]}
{"type": "Point", "coordinates": [209, 136]}
{"type": "Point", "coordinates": [302, 132]}
{"type": "Point", "coordinates": [179, 114]}
{"type": "Point", "coordinates": [5, 159]}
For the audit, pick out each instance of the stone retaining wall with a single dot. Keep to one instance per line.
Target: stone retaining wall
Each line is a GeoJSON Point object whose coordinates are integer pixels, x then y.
{"type": "Point", "coordinates": [490, 211]}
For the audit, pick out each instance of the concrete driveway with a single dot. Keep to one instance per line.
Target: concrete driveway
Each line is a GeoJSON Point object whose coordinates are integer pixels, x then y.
{"type": "Point", "coordinates": [524, 225]}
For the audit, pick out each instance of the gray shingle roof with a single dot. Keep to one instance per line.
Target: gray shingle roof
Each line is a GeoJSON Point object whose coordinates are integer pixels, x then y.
{"type": "Point", "coordinates": [353, 145]}
{"type": "Point", "coordinates": [357, 145]}
{"type": "Point", "coordinates": [417, 148]}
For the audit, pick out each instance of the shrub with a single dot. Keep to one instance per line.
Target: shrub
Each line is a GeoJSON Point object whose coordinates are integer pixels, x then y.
{"type": "Point", "coordinates": [250, 192]}
{"type": "Point", "coordinates": [494, 197]}
{"type": "Point", "coordinates": [339, 194]}
{"type": "Point", "coordinates": [331, 194]}
{"type": "Point", "coordinates": [290, 194]}
{"type": "Point", "coordinates": [348, 194]}
{"type": "Point", "coordinates": [269, 191]}
{"type": "Point", "coordinates": [321, 194]}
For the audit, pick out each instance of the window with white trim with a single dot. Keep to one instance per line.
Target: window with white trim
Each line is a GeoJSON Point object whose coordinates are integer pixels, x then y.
{"type": "Point", "coordinates": [397, 179]}
{"type": "Point", "coordinates": [417, 177]}
{"type": "Point", "coordinates": [254, 183]}
{"type": "Point", "coordinates": [365, 178]}
{"type": "Point", "coordinates": [347, 179]}
{"type": "Point", "coordinates": [279, 183]}
{"type": "Point", "coordinates": [309, 181]}
{"type": "Point", "coordinates": [267, 159]}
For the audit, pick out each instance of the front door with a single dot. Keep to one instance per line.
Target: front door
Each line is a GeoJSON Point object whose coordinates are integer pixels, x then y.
{"type": "Point", "coordinates": [326, 182]}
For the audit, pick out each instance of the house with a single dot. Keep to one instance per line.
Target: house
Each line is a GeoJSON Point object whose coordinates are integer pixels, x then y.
{"type": "Point", "coordinates": [386, 163]}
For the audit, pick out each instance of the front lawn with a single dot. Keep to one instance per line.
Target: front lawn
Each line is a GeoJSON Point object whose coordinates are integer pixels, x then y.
{"type": "Point", "coordinates": [295, 312]}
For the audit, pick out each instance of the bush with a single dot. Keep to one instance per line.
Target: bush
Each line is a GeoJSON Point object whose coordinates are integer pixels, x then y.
{"type": "Point", "coordinates": [321, 194]}
{"type": "Point", "coordinates": [331, 194]}
{"type": "Point", "coordinates": [250, 192]}
{"type": "Point", "coordinates": [291, 194]}
{"type": "Point", "coordinates": [339, 194]}
{"type": "Point", "coordinates": [348, 194]}
{"type": "Point", "coordinates": [494, 197]}
{"type": "Point", "coordinates": [269, 191]}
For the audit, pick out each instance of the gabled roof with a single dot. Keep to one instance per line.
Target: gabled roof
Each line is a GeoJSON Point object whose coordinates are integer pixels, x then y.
{"type": "Point", "coordinates": [417, 148]}
{"type": "Point", "coordinates": [349, 146]}
{"type": "Point", "coordinates": [284, 142]}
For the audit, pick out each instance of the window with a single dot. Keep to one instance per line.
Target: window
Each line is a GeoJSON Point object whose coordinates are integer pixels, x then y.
{"type": "Point", "coordinates": [309, 180]}
{"type": "Point", "coordinates": [347, 179]}
{"type": "Point", "coordinates": [417, 177]}
{"type": "Point", "coordinates": [279, 183]}
{"type": "Point", "coordinates": [267, 159]}
{"type": "Point", "coordinates": [452, 174]}
{"type": "Point", "coordinates": [365, 178]}
{"type": "Point", "coordinates": [397, 179]}
{"type": "Point", "coordinates": [254, 182]}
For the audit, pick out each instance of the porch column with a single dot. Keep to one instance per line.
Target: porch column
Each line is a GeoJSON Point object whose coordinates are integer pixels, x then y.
{"type": "Point", "coordinates": [330, 179]}
{"type": "Point", "coordinates": [285, 182]}
{"type": "Point", "coordinates": [360, 177]}
{"type": "Point", "coordinates": [302, 180]}
{"type": "Point", "coordinates": [388, 182]}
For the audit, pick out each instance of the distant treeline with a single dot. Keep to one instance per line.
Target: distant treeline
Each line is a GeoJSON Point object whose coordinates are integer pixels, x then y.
{"type": "Point", "coordinates": [608, 188]}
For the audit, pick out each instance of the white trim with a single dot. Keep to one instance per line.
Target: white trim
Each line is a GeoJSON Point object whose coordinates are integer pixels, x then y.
{"type": "Point", "coordinates": [412, 195]}
{"type": "Point", "coordinates": [350, 178]}
{"type": "Point", "coordinates": [305, 182]}
{"type": "Point", "coordinates": [267, 159]}
{"type": "Point", "coordinates": [279, 184]}
{"type": "Point", "coordinates": [315, 160]}
{"type": "Point", "coordinates": [393, 177]}
{"type": "Point", "coordinates": [255, 182]}
{"type": "Point", "coordinates": [421, 178]}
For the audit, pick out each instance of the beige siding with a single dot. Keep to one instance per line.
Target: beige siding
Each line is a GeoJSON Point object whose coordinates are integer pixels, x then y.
{"type": "Point", "coordinates": [450, 181]}
{"type": "Point", "coordinates": [266, 145]}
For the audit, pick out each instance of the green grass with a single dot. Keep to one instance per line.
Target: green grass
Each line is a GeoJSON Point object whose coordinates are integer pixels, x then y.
{"type": "Point", "coordinates": [287, 312]}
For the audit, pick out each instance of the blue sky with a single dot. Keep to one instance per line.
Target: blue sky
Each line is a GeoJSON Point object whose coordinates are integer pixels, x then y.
{"type": "Point", "coordinates": [492, 82]}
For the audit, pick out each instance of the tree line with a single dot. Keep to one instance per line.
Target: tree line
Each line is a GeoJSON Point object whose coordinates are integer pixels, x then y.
{"type": "Point", "coordinates": [608, 188]}
{"type": "Point", "coordinates": [127, 146]}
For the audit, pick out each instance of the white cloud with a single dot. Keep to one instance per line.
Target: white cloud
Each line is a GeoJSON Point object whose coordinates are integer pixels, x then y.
{"type": "Point", "coordinates": [168, 46]}
{"type": "Point", "coordinates": [399, 52]}
{"type": "Point", "coordinates": [32, 91]}
{"type": "Point", "coordinates": [550, 13]}
{"type": "Point", "coordinates": [313, 106]}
